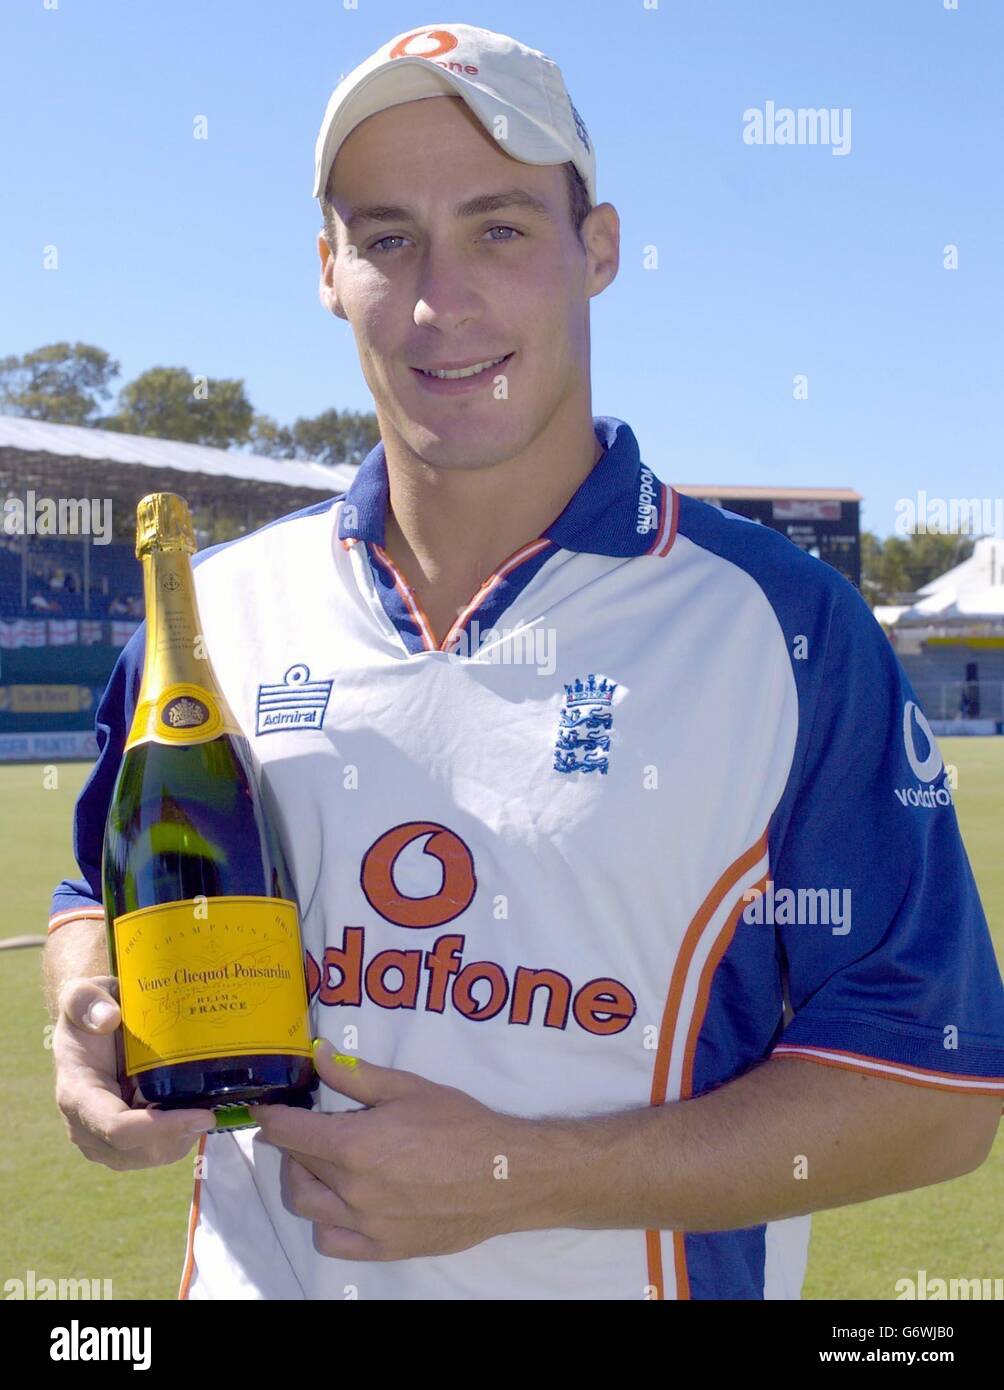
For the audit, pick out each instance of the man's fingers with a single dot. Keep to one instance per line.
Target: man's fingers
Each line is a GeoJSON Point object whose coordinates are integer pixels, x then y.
{"type": "Point", "coordinates": [339, 1244]}
{"type": "Point", "coordinates": [124, 1162]}
{"type": "Point", "coordinates": [91, 1004]}
{"type": "Point", "coordinates": [100, 1123]}
{"type": "Point", "coordinates": [365, 1082]}
{"type": "Point", "coordinates": [308, 1196]}
{"type": "Point", "coordinates": [107, 1116]}
{"type": "Point", "coordinates": [314, 1132]}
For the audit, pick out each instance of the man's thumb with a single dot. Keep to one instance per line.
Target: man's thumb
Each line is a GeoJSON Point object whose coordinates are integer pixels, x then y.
{"type": "Point", "coordinates": [352, 1077]}
{"type": "Point", "coordinates": [87, 1004]}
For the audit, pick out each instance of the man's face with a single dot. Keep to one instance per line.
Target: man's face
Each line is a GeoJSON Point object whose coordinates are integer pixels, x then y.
{"type": "Point", "coordinates": [425, 287]}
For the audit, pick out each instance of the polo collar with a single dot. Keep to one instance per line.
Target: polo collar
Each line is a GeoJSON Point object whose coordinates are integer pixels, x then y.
{"type": "Point", "coordinates": [621, 508]}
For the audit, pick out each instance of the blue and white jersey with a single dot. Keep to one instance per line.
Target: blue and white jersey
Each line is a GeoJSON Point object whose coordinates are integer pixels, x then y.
{"type": "Point", "coordinates": [661, 806]}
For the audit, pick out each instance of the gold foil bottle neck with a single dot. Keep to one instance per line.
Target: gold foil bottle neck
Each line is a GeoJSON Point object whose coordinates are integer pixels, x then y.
{"type": "Point", "coordinates": [163, 522]}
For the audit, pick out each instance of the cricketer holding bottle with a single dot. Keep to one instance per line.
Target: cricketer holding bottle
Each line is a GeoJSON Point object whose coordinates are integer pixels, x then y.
{"type": "Point", "coordinates": [569, 769]}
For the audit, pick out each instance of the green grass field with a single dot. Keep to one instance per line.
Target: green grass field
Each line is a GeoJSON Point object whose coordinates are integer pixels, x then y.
{"type": "Point", "coordinates": [66, 1217]}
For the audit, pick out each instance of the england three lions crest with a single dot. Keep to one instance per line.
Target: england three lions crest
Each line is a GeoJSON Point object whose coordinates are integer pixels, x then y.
{"type": "Point", "coordinates": [583, 742]}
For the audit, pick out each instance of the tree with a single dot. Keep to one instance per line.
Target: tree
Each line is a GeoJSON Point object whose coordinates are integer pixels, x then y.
{"type": "Point", "coordinates": [331, 437]}
{"type": "Point", "coordinates": [61, 383]}
{"type": "Point", "coordinates": [66, 383]}
{"type": "Point", "coordinates": [272, 440]}
{"type": "Point", "coordinates": [893, 569]}
{"type": "Point", "coordinates": [170, 403]}
{"type": "Point", "coordinates": [931, 553]}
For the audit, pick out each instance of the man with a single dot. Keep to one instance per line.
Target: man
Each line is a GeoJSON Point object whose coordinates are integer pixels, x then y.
{"type": "Point", "coordinates": [581, 736]}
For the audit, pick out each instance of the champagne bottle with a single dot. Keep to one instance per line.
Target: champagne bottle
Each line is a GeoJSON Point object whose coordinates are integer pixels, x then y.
{"type": "Point", "coordinates": [203, 928]}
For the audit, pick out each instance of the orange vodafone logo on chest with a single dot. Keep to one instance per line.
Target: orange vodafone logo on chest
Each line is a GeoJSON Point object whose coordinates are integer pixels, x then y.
{"type": "Point", "coordinates": [432, 44]}
{"type": "Point", "coordinates": [438, 978]}
{"type": "Point", "coordinates": [459, 883]}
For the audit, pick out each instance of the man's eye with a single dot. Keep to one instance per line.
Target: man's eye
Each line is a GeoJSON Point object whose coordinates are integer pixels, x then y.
{"type": "Point", "coordinates": [379, 245]}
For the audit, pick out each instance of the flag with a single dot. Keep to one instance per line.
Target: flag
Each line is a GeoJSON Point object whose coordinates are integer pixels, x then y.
{"type": "Point", "coordinates": [121, 632]}
{"type": "Point", "coordinates": [11, 633]}
{"type": "Point", "coordinates": [62, 632]}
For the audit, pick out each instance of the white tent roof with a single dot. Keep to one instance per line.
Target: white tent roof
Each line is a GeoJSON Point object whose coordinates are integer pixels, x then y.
{"type": "Point", "coordinates": [970, 590]}
{"type": "Point", "coordinates": [889, 614]}
{"type": "Point", "coordinates": [41, 437]}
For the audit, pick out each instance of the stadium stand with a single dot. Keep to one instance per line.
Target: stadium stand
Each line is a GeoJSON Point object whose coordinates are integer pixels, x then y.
{"type": "Point", "coordinates": [69, 602]}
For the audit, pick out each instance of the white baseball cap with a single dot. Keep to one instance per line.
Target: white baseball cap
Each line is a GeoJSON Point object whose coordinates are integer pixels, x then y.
{"type": "Point", "coordinates": [517, 94]}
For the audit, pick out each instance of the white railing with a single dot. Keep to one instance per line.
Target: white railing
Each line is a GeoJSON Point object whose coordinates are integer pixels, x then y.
{"type": "Point", "coordinates": [954, 699]}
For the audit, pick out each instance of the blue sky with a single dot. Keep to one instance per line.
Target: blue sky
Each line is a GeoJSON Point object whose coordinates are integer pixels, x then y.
{"type": "Point", "coordinates": [773, 260]}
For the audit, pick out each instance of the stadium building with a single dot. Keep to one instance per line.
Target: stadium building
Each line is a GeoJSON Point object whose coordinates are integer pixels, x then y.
{"type": "Point", "coordinates": [71, 588]}
{"type": "Point", "coordinates": [951, 643]}
{"type": "Point", "coordinates": [825, 521]}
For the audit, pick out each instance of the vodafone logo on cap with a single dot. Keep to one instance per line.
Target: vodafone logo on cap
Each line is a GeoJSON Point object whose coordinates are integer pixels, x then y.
{"type": "Point", "coordinates": [432, 44]}
{"type": "Point", "coordinates": [425, 43]}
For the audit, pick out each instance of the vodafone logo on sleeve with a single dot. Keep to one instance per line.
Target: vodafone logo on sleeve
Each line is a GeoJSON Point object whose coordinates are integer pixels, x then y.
{"type": "Point", "coordinates": [926, 763]}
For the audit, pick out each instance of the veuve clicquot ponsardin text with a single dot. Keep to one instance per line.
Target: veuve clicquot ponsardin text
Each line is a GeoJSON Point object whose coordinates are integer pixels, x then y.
{"type": "Point", "coordinates": [203, 928]}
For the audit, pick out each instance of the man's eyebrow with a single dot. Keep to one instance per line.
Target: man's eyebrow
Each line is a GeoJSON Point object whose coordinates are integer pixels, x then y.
{"type": "Point", "coordinates": [472, 207]}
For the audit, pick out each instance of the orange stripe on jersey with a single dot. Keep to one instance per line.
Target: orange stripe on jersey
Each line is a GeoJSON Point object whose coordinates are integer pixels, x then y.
{"type": "Point", "coordinates": [721, 945]}
{"type": "Point", "coordinates": [410, 601]}
{"type": "Point", "coordinates": [506, 567]}
{"type": "Point", "coordinates": [417, 612]}
{"type": "Point", "coordinates": [653, 1248]}
{"type": "Point", "coordinates": [193, 1221]}
{"type": "Point", "coordinates": [895, 1071]}
{"type": "Point", "coordinates": [702, 917]}
{"type": "Point", "coordinates": [674, 519]}
{"type": "Point", "coordinates": [68, 914]}
{"type": "Point", "coordinates": [704, 990]}
{"type": "Point", "coordinates": [660, 1076]}
{"type": "Point", "coordinates": [669, 512]}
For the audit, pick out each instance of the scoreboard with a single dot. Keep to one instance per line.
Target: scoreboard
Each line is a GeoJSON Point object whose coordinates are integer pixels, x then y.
{"type": "Point", "coordinates": [825, 521]}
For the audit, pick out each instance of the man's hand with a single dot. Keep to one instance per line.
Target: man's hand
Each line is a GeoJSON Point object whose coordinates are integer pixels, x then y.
{"type": "Point", "coordinates": [418, 1172]}
{"type": "Point", "coordinates": [98, 1121]}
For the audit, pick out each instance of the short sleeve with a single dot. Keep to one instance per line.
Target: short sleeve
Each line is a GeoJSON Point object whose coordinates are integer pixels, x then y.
{"type": "Point", "coordinates": [82, 897]}
{"type": "Point", "coordinates": [889, 964]}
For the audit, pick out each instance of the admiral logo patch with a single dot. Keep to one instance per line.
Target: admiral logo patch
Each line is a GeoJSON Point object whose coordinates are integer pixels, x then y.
{"type": "Point", "coordinates": [298, 703]}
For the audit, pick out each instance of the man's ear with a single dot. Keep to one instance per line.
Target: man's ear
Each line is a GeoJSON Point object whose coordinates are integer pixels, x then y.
{"type": "Point", "coordinates": [602, 233]}
{"type": "Point", "coordinates": [327, 292]}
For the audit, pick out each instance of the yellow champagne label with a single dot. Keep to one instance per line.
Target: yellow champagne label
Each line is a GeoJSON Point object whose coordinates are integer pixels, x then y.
{"type": "Point", "coordinates": [181, 713]}
{"type": "Point", "coordinates": [211, 977]}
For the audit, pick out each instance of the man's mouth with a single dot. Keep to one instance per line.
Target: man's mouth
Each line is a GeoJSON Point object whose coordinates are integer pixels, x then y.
{"type": "Point", "coordinates": [458, 373]}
